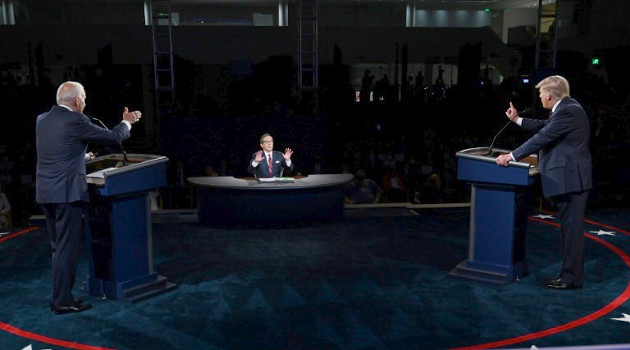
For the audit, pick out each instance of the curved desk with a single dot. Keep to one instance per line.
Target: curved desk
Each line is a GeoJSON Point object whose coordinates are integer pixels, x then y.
{"type": "Point", "coordinates": [228, 200]}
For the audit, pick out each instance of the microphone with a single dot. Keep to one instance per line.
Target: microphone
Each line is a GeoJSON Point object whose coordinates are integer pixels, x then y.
{"type": "Point", "coordinates": [524, 111]}
{"type": "Point", "coordinates": [125, 159]}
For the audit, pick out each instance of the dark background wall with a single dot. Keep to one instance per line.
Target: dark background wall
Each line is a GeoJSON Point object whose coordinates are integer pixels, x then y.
{"type": "Point", "coordinates": [234, 83]}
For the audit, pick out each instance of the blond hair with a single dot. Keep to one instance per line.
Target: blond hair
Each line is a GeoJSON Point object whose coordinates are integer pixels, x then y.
{"type": "Point", "coordinates": [555, 85]}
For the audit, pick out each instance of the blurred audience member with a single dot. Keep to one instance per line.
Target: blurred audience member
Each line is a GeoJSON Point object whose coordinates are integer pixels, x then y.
{"type": "Point", "coordinates": [431, 190]}
{"type": "Point", "coordinates": [362, 190]}
{"type": "Point", "coordinates": [394, 186]}
{"type": "Point", "coordinates": [5, 211]}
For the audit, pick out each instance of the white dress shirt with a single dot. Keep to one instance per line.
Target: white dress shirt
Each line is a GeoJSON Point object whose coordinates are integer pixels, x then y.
{"type": "Point", "coordinates": [255, 163]}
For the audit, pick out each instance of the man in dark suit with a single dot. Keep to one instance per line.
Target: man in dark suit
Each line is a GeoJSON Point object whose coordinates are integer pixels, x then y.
{"type": "Point", "coordinates": [269, 163]}
{"type": "Point", "coordinates": [62, 135]}
{"type": "Point", "coordinates": [565, 169]}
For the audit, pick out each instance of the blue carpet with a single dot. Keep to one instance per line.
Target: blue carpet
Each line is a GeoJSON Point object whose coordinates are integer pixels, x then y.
{"type": "Point", "coordinates": [376, 279]}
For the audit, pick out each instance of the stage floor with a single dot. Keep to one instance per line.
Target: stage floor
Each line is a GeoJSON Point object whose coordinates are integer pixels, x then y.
{"type": "Point", "coordinates": [375, 279]}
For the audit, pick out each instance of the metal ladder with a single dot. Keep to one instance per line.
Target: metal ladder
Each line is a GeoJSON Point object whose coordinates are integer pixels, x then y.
{"type": "Point", "coordinates": [163, 68]}
{"type": "Point", "coordinates": [308, 78]}
{"type": "Point", "coordinates": [546, 57]}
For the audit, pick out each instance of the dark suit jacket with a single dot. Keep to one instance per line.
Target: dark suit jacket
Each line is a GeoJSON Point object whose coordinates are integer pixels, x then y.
{"type": "Point", "coordinates": [563, 141]}
{"type": "Point", "coordinates": [262, 170]}
{"type": "Point", "coordinates": [62, 136]}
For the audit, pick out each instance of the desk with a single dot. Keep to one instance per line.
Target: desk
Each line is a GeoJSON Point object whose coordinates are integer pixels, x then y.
{"type": "Point", "coordinates": [229, 200]}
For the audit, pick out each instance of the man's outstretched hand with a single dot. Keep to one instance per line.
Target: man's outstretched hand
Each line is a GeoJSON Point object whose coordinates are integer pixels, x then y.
{"type": "Point", "coordinates": [287, 154]}
{"type": "Point", "coordinates": [258, 157]}
{"type": "Point", "coordinates": [131, 117]}
{"type": "Point", "coordinates": [512, 113]}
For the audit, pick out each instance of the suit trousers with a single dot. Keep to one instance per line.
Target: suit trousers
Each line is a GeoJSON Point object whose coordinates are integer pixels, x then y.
{"type": "Point", "coordinates": [571, 208]}
{"type": "Point", "coordinates": [63, 221]}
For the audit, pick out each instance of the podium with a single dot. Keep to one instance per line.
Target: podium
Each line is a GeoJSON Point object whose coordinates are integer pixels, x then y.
{"type": "Point", "coordinates": [118, 229]}
{"type": "Point", "coordinates": [496, 252]}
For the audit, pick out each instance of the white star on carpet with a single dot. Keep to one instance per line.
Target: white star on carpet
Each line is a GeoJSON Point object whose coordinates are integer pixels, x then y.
{"type": "Point", "coordinates": [544, 217]}
{"type": "Point", "coordinates": [603, 233]}
{"type": "Point", "coordinates": [625, 318]}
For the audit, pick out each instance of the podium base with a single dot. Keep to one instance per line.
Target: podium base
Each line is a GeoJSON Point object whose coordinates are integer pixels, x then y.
{"type": "Point", "coordinates": [492, 275]}
{"type": "Point", "coordinates": [132, 291]}
{"type": "Point", "coordinates": [148, 290]}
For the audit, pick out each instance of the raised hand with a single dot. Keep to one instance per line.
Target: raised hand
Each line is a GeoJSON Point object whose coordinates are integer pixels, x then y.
{"type": "Point", "coordinates": [131, 117]}
{"type": "Point", "coordinates": [258, 157]}
{"type": "Point", "coordinates": [287, 154]}
{"type": "Point", "coordinates": [512, 113]}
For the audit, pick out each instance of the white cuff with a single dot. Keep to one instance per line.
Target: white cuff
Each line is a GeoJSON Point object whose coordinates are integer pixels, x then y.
{"type": "Point", "coordinates": [255, 163]}
{"type": "Point", "coordinates": [288, 162]}
{"type": "Point", "coordinates": [519, 121]}
{"type": "Point", "coordinates": [128, 124]}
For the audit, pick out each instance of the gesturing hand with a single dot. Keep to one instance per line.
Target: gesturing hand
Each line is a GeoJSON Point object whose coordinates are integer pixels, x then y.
{"type": "Point", "coordinates": [512, 113]}
{"type": "Point", "coordinates": [131, 117]}
{"type": "Point", "coordinates": [287, 154]}
{"type": "Point", "coordinates": [259, 157]}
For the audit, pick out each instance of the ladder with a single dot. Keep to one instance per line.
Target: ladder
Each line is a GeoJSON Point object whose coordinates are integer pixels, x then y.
{"type": "Point", "coordinates": [545, 55]}
{"type": "Point", "coordinates": [546, 47]}
{"type": "Point", "coordinates": [308, 78]}
{"type": "Point", "coordinates": [163, 69]}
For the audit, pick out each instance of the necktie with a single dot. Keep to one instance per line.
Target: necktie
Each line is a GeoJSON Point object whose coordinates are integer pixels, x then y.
{"type": "Point", "coordinates": [269, 164]}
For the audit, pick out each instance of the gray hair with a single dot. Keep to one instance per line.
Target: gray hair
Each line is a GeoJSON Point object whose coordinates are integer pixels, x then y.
{"type": "Point", "coordinates": [555, 85]}
{"type": "Point", "coordinates": [68, 91]}
{"type": "Point", "coordinates": [264, 135]}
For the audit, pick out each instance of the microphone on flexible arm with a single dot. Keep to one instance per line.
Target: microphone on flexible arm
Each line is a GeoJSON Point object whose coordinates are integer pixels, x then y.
{"type": "Point", "coordinates": [524, 111]}
{"type": "Point", "coordinates": [125, 159]}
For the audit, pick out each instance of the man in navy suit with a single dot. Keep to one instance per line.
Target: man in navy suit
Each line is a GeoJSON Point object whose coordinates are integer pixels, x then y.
{"type": "Point", "coordinates": [62, 135]}
{"type": "Point", "coordinates": [269, 163]}
{"type": "Point", "coordinates": [565, 166]}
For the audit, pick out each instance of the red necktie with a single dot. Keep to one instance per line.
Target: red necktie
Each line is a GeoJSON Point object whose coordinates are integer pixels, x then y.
{"type": "Point", "coordinates": [269, 164]}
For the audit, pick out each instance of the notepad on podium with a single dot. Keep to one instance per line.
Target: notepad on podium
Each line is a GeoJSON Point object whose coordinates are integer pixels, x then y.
{"type": "Point", "coordinates": [276, 179]}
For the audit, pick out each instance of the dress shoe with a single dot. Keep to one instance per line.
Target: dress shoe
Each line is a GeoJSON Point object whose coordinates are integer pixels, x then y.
{"type": "Point", "coordinates": [60, 310]}
{"type": "Point", "coordinates": [76, 301]}
{"type": "Point", "coordinates": [553, 280]}
{"type": "Point", "coordinates": [558, 284]}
